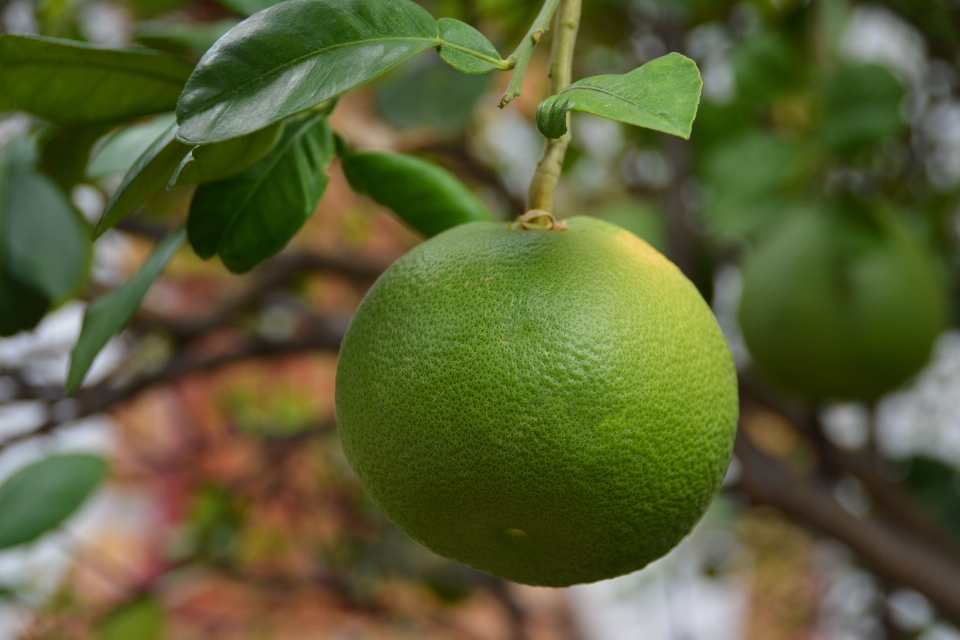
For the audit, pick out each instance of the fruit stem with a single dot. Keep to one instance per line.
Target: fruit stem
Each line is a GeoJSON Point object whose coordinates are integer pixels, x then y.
{"type": "Point", "coordinates": [518, 61]}
{"type": "Point", "coordinates": [561, 69]}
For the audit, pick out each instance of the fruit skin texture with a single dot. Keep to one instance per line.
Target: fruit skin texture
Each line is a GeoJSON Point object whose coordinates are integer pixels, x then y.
{"type": "Point", "coordinates": [834, 308]}
{"type": "Point", "coordinates": [551, 407]}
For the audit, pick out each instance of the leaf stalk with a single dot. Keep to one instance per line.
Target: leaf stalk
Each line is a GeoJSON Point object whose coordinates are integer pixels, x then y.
{"type": "Point", "coordinates": [547, 175]}
{"type": "Point", "coordinates": [521, 57]}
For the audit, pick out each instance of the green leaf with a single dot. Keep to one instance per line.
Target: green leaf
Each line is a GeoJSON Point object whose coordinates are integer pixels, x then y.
{"type": "Point", "coordinates": [294, 56]}
{"type": "Point", "coordinates": [426, 196]}
{"type": "Point", "coordinates": [861, 107]}
{"type": "Point", "coordinates": [42, 495]}
{"type": "Point", "coordinates": [65, 153]}
{"type": "Point", "coordinates": [432, 95]}
{"type": "Point", "coordinates": [44, 244]}
{"type": "Point", "coordinates": [753, 180]}
{"type": "Point", "coordinates": [466, 49]}
{"type": "Point", "coordinates": [662, 95]}
{"type": "Point", "coordinates": [141, 619]}
{"type": "Point", "coordinates": [118, 153]}
{"type": "Point", "coordinates": [69, 82]}
{"type": "Point", "coordinates": [220, 160]}
{"type": "Point", "coordinates": [183, 38]}
{"type": "Point", "coordinates": [248, 218]}
{"type": "Point", "coordinates": [21, 306]}
{"type": "Point", "coordinates": [248, 7]}
{"type": "Point", "coordinates": [6, 103]}
{"type": "Point", "coordinates": [109, 314]}
{"type": "Point", "coordinates": [150, 172]}
{"type": "Point", "coordinates": [767, 66]}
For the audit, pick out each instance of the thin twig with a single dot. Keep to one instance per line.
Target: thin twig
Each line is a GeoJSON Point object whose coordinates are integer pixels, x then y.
{"type": "Point", "coordinates": [521, 57]}
{"type": "Point", "coordinates": [547, 175]}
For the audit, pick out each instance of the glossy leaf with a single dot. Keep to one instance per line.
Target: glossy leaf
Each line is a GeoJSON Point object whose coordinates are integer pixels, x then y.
{"type": "Point", "coordinates": [184, 38]}
{"type": "Point", "coordinates": [662, 95]}
{"type": "Point", "coordinates": [466, 49]}
{"type": "Point", "coordinates": [249, 217]}
{"type": "Point", "coordinates": [109, 314]}
{"type": "Point", "coordinates": [44, 244]}
{"type": "Point", "coordinates": [220, 160]}
{"type": "Point", "coordinates": [294, 56]}
{"type": "Point", "coordinates": [70, 82]}
{"type": "Point", "coordinates": [141, 619]}
{"type": "Point", "coordinates": [426, 196]}
{"type": "Point", "coordinates": [41, 496]}
{"type": "Point", "coordinates": [118, 152]}
{"type": "Point", "coordinates": [150, 172]}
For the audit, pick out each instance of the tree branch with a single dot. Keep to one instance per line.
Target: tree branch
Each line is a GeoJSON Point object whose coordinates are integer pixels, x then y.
{"type": "Point", "coordinates": [893, 555]}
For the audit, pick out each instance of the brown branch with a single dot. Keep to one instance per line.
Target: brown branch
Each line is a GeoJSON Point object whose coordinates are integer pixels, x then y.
{"type": "Point", "coordinates": [893, 501]}
{"type": "Point", "coordinates": [892, 554]}
{"type": "Point", "coordinates": [323, 335]}
{"type": "Point", "coordinates": [274, 274]}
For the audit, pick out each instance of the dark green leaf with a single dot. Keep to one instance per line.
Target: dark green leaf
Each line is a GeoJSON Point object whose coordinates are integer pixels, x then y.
{"type": "Point", "coordinates": [248, 218]}
{"type": "Point", "coordinates": [427, 197]}
{"type": "Point", "coordinates": [65, 153]}
{"type": "Point", "coordinates": [150, 172]}
{"type": "Point", "coordinates": [294, 56]}
{"type": "Point", "coordinates": [431, 94]}
{"type": "Point", "coordinates": [107, 315]}
{"type": "Point", "coordinates": [21, 306]}
{"type": "Point", "coordinates": [662, 95]}
{"type": "Point", "coordinates": [6, 103]}
{"type": "Point", "coordinates": [70, 82]}
{"type": "Point", "coordinates": [118, 153]}
{"type": "Point", "coordinates": [862, 106]}
{"type": "Point", "coordinates": [44, 245]}
{"type": "Point", "coordinates": [248, 7]}
{"type": "Point", "coordinates": [466, 49]}
{"type": "Point", "coordinates": [753, 180]}
{"type": "Point", "coordinates": [39, 497]}
{"type": "Point", "coordinates": [184, 38]}
{"type": "Point", "coordinates": [767, 66]}
{"type": "Point", "coordinates": [141, 619]}
{"type": "Point", "coordinates": [220, 160]}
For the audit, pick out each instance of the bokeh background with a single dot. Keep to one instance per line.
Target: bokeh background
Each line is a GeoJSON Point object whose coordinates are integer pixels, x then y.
{"type": "Point", "coordinates": [230, 511]}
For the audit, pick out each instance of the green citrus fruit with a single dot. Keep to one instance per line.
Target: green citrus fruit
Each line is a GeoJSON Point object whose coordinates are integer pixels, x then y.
{"type": "Point", "coordinates": [551, 407]}
{"type": "Point", "coordinates": [833, 308]}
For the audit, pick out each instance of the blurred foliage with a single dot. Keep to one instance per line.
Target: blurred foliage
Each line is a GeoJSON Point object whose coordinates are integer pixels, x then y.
{"type": "Point", "coordinates": [795, 123]}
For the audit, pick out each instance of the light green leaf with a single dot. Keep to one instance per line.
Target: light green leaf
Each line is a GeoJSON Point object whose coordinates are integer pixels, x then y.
{"type": "Point", "coordinates": [150, 172]}
{"type": "Point", "coordinates": [248, 218]}
{"type": "Point", "coordinates": [44, 244]}
{"type": "Point", "coordinates": [107, 315]}
{"type": "Point", "coordinates": [426, 196]}
{"type": "Point", "coordinates": [662, 95]}
{"type": "Point", "coordinates": [185, 38]}
{"type": "Point", "coordinates": [466, 49]}
{"type": "Point", "coordinates": [118, 152]}
{"type": "Point", "coordinates": [70, 82]}
{"type": "Point", "coordinates": [39, 497]}
{"type": "Point", "coordinates": [220, 160]}
{"type": "Point", "coordinates": [294, 56]}
{"type": "Point", "coordinates": [140, 619]}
